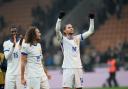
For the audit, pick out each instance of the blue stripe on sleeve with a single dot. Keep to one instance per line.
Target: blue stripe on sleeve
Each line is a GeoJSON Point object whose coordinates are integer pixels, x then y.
{"type": "Point", "coordinates": [62, 47]}
{"type": "Point", "coordinates": [6, 50]}
{"type": "Point", "coordinates": [82, 37]}
{"type": "Point", "coordinates": [23, 53]}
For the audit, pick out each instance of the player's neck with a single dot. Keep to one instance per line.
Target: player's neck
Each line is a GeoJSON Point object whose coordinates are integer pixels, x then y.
{"type": "Point", "coordinates": [70, 37]}
{"type": "Point", "coordinates": [35, 43]}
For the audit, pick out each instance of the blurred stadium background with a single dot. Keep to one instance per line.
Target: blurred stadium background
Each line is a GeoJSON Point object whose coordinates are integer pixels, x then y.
{"type": "Point", "coordinates": [110, 37]}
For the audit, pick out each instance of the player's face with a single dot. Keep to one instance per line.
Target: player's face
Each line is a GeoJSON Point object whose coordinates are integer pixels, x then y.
{"type": "Point", "coordinates": [69, 31]}
{"type": "Point", "coordinates": [38, 35]}
{"type": "Point", "coordinates": [13, 31]}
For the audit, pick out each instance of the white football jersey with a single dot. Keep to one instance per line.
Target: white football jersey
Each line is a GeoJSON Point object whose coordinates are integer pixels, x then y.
{"type": "Point", "coordinates": [71, 48]}
{"type": "Point", "coordinates": [71, 51]}
{"type": "Point", "coordinates": [12, 55]}
{"type": "Point", "coordinates": [34, 67]}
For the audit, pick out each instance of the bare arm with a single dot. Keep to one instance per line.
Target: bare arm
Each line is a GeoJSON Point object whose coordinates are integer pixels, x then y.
{"type": "Point", "coordinates": [47, 74]}
{"type": "Point", "coordinates": [90, 31]}
{"type": "Point", "coordinates": [23, 64]}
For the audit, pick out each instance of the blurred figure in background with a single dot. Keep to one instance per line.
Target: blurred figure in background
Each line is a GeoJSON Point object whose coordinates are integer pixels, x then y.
{"type": "Point", "coordinates": [3, 67]}
{"type": "Point", "coordinates": [112, 68]}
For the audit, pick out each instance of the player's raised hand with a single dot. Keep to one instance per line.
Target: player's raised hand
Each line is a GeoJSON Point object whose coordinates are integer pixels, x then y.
{"type": "Point", "coordinates": [61, 14]}
{"type": "Point", "coordinates": [14, 40]}
{"type": "Point", "coordinates": [91, 15]}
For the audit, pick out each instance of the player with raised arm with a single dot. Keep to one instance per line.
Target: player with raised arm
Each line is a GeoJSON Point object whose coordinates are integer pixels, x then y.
{"type": "Point", "coordinates": [31, 61]}
{"type": "Point", "coordinates": [12, 55]}
{"type": "Point", "coordinates": [72, 66]}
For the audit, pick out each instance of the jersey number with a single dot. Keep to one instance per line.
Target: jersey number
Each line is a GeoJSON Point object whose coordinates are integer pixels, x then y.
{"type": "Point", "coordinates": [15, 55]}
{"type": "Point", "coordinates": [38, 58]}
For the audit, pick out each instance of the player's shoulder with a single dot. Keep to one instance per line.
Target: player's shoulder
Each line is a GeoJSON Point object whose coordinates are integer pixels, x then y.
{"type": "Point", "coordinates": [25, 44]}
{"type": "Point", "coordinates": [77, 36]}
{"type": "Point", "coordinates": [38, 45]}
{"type": "Point", "coordinates": [7, 42]}
{"type": "Point", "coordinates": [24, 47]}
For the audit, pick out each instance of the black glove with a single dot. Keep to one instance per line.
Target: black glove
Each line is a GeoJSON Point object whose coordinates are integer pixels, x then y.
{"type": "Point", "coordinates": [91, 15]}
{"type": "Point", "coordinates": [61, 14]}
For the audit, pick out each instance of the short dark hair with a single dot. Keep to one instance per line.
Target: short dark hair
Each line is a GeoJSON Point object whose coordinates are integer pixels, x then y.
{"type": "Point", "coordinates": [30, 35]}
{"type": "Point", "coordinates": [13, 26]}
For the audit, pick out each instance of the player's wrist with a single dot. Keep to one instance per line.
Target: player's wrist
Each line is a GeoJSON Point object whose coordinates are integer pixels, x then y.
{"type": "Point", "coordinates": [14, 45]}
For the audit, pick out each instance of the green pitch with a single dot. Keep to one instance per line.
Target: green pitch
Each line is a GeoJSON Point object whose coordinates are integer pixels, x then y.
{"type": "Point", "coordinates": [109, 88]}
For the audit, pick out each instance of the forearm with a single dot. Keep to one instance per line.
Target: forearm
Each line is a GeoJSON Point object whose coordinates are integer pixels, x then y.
{"type": "Point", "coordinates": [23, 64]}
{"type": "Point", "coordinates": [90, 31]}
{"type": "Point", "coordinates": [47, 74]}
{"type": "Point", "coordinates": [8, 53]}
{"type": "Point", "coordinates": [45, 70]}
{"type": "Point", "coordinates": [57, 29]}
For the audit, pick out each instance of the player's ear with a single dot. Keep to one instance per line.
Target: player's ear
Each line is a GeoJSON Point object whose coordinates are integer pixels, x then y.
{"type": "Point", "coordinates": [64, 32]}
